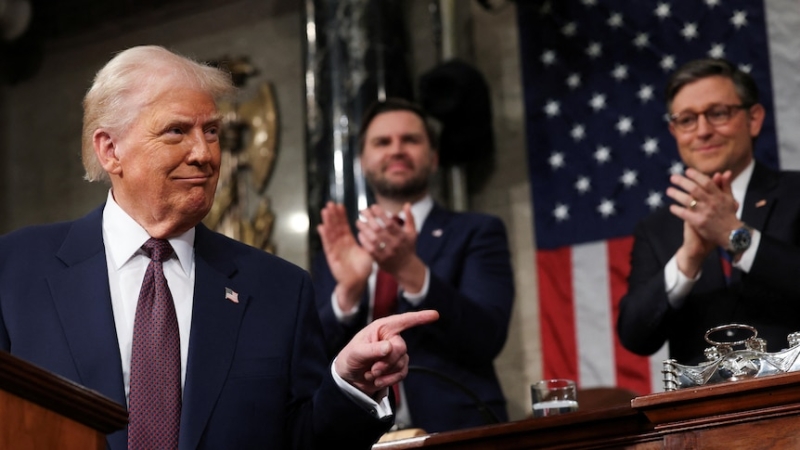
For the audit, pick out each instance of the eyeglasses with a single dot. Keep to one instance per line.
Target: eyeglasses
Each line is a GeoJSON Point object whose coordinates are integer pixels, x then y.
{"type": "Point", "coordinates": [716, 115]}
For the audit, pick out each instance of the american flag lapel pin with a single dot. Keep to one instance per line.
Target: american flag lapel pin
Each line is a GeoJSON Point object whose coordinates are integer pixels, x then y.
{"type": "Point", "coordinates": [761, 203]}
{"type": "Point", "coordinates": [231, 295]}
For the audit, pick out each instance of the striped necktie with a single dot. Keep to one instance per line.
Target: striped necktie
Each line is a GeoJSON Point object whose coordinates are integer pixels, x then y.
{"type": "Point", "coordinates": [725, 262]}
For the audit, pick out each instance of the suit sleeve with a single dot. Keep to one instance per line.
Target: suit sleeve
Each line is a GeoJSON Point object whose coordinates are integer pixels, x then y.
{"type": "Point", "coordinates": [330, 419]}
{"type": "Point", "coordinates": [475, 297]}
{"type": "Point", "coordinates": [644, 311]}
{"type": "Point", "coordinates": [337, 334]}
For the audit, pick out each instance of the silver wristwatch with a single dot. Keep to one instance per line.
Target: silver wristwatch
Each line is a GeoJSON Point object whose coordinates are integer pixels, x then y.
{"type": "Point", "coordinates": [739, 240]}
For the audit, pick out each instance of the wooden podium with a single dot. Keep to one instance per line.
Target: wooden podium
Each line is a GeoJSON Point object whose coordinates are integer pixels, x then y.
{"type": "Point", "coordinates": [40, 410]}
{"type": "Point", "coordinates": [748, 414]}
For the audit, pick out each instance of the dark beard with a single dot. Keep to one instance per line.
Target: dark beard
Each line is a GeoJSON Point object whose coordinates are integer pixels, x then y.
{"type": "Point", "coordinates": [412, 189]}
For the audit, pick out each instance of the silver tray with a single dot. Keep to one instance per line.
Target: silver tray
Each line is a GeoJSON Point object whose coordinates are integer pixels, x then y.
{"type": "Point", "coordinates": [728, 361]}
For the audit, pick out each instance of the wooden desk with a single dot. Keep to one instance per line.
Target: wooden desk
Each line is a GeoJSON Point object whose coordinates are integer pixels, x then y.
{"type": "Point", "coordinates": [748, 414]}
{"type": "Point", "coordinates": [39, 410]}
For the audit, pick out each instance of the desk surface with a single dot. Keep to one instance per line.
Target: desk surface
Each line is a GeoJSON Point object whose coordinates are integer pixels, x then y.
{"type": "Point", "coordinates": [756, 413]}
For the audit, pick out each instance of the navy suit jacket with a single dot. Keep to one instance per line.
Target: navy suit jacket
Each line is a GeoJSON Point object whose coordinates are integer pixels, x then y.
{"type": "Point", "coordinates": [768, 297]}
{"type": "Point", "coordinates": [257, 374]}
{"type": "Point", "coordinates": [472, 288]}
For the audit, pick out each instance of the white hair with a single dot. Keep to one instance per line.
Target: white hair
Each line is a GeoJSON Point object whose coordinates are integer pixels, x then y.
{"type": "Point", "coordinates": [133, 79]}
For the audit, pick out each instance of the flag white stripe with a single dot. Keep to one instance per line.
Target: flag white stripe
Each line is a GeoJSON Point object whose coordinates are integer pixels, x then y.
{"type": "Point", "coordinates": [656, 365]}
{"type": "Point", "coordinates": [593, 314]}
{"type": "Point", "coordinates": [783, 23]}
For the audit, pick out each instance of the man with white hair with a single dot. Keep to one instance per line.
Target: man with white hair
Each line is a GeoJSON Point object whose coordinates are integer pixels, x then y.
{"type": "Point", "coordinates": [209, 342]}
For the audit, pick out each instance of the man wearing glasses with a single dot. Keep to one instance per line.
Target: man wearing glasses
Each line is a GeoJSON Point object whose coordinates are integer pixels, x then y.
{"type": "Point", "coordinates": [727, 251]}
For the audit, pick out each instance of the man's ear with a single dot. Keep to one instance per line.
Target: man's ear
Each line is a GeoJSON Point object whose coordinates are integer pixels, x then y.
{"type": "Point", "coordinates": [672, 130]}
{"type": "Point", "coordinates": [106, 151]}
{"type": "Point", "coordinates": [757, 114]}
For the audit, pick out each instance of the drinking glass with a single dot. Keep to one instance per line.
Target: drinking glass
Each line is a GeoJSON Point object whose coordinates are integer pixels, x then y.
{"type": "Point", "coordinates": [552, 397]}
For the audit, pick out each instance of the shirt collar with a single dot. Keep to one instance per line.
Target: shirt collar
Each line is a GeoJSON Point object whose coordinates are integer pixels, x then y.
{"type": "Point", "coordinates": [420, 211]}
{"type": "Point", "coordinates": [123, 237]}
{"type": "Point", "coordinates": [739, 185]}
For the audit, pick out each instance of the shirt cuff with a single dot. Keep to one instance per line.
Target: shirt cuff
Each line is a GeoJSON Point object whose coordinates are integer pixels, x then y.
{"type": "Point", "coordinates": [416, 299]}
{"type": "Point", "coordinates": [677, 284]}
{"type": "Point", "coordinates": [378, 409]}
{"type": "Point", "coordinates": [745, 262]}
{"type": "Point", "coordinates": [346, 318]}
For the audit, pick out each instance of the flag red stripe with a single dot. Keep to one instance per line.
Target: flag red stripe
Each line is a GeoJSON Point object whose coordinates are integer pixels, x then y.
{"type": "Point", "coordinates": [633, 371]}
{"type": "Point", "coordinates": [557, 314]}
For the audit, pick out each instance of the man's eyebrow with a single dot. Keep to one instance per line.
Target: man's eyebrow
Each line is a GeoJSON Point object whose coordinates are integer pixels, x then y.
{"type": "Point", "coordinates": [706, 108]}
{"type": "Point", "coordinates": [216, 118]}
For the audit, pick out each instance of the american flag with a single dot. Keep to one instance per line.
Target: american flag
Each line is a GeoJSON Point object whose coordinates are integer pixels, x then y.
{"type": "Point", "coordinates": [231, 295]}
{"type": "Point", "coordinates": [600, 152]}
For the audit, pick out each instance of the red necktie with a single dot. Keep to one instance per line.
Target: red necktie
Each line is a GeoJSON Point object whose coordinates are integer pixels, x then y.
{"type": "Point", "coordinates": [386, 302]}
{"type": "Point", "coordinates": [385, 295]}
{"type": "Point", "coordinates": [155, 384]}
{"type": "Point", "coordinates": [385, 290]}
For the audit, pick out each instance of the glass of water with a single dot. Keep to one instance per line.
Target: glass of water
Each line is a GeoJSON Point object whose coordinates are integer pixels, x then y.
{"type": "Point", "coordinates": [552, 397]}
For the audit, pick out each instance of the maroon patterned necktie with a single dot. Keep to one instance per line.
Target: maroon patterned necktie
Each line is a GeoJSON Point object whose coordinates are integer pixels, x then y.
{"type": "Point", "coordinates": [155, 383]}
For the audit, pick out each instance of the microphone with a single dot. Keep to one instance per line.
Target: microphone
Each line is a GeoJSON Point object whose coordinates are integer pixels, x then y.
{"type": "Point", "coordinates": [489, 417]}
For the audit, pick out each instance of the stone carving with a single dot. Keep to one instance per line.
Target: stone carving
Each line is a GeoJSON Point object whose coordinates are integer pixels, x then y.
{"type": "Point", "coordinates": [248, 140]}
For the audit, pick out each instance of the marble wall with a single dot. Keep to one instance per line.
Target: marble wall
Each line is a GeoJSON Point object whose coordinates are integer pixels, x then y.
{"type": "Point", "coordinates": [507, 194]}
{"type": "Point", "coordinates": [40, 123]}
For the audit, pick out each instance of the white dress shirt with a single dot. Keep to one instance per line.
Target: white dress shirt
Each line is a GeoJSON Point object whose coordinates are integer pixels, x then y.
{"type": "Point", "coordinates": [127, 263]}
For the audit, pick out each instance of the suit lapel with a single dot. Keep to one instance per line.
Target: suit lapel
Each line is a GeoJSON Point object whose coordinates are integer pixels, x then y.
{"type": "Point", "coordinates": [432, 234]}
{"type": "Point", "coordinates": [760, 198]}
{"type": "Point", "coordinates": [82, 298]}
{"type": "Point", "coordinates": [215, 325]}
{"type": "Point", "coordinates": [759, 201]}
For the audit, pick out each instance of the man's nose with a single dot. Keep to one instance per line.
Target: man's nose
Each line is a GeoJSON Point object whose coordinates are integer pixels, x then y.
{"type": "Point", "coordinates": [201, 149]}
{"type": "Point", "coordinates": [704, 127]}
{"type": "Point", "coordinates": [396, 146]}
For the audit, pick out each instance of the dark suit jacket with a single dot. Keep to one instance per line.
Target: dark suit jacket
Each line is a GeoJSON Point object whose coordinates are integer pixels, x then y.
{"type": "Point", "coordinates": [257, 374]}
{"type": "Point", "coordinates": [472, 288]}
{"type": "Point", "coordinates": [768, 297]}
